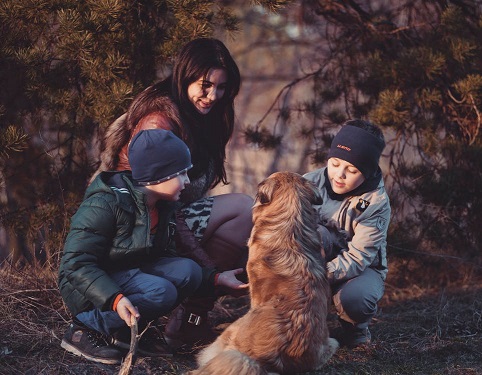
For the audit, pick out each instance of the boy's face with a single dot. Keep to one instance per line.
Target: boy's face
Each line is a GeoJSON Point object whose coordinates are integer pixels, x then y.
{"type": "Point", "coordinates": [344, 177]}
{"type": "Point", "coordinates": [169, 190]}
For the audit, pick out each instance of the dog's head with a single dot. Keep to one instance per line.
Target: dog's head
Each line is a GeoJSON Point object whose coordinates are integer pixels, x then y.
{"type": "Point", "coordinates": [284, 225]}
{"type": "Point", "coordinates": [285, 197]}
{"type": "Point", "coordinates": [284, 186]}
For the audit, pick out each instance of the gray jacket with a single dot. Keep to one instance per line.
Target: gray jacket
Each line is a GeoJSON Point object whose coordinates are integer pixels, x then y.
{"type": "Point", "coordinates": [356, 227]}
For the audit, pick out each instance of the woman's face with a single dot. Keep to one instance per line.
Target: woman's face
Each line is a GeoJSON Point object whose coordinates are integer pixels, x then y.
{"type": "Point", "coordinates": [344, 177]}
{"type": "Point", "coordinates": [207, 91]}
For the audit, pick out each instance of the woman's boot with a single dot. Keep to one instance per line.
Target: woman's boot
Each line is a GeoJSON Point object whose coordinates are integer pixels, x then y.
{"type": "Point", "coordinates": [188, 324]}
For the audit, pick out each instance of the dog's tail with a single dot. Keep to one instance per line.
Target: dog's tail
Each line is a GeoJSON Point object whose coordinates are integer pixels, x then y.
{"type": "Point", "coordinates": [231, 362]}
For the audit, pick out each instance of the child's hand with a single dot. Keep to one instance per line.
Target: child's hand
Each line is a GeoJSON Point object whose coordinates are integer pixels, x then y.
{"type": "Point", "coordinates": [127, 311]}
{"type": "Point", "coordinates": [228, 279]}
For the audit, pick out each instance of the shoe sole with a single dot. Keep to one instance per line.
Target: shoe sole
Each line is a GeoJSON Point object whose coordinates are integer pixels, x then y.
{"type": "Point", "coordinates": [123, 345]}
{"type": "Point", "coordinates": [72, 349]}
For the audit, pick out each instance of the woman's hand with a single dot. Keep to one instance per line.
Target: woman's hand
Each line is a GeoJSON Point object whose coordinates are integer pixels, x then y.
{"type": "Point", "coordinates": [229, 280]}
{"type": "Point", "coordinates": [127, 311]}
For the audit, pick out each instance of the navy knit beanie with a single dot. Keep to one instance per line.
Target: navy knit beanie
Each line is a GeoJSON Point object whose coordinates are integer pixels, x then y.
{"type": "Point", "coordinates": [358, 147]}
{"type": "Point", "coordinates": [157, 155]}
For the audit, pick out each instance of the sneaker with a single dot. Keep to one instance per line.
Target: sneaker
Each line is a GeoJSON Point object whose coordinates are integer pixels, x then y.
{"type": "Point", "coordinates": [151, 343]}
{"type": "Point", "coordinates": [351, 336]}
{"type": "Point", "coordinates": [90, 344]}
{"type": "Point", "coordinates": [358, 337]}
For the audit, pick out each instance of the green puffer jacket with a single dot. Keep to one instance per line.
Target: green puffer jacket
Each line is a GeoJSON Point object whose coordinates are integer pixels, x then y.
{"type": "Point", "coordinates": [110, 231]}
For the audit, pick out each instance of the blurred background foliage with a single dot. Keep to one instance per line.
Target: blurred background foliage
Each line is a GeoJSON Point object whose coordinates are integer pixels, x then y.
{"type": "Point", "coordinates": [69, 68]}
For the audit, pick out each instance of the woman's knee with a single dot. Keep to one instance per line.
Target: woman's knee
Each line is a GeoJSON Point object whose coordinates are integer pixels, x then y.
{"type": "Point", "coordinates": [230, 206]}
{"type": "Point", "coordinates": [244, 204]}
{"type": "Point", "coordinates": [244, 201]}
{"type": "Point", "coordinates": [231, 218]}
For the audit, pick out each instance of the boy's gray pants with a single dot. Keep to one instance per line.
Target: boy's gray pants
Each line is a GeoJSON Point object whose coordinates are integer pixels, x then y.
{"type": "Point", "coordinates": [356, 299]}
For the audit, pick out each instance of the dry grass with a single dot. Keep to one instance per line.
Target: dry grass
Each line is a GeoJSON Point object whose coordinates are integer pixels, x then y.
{"type": "Point", "coordinates": [417, 331]}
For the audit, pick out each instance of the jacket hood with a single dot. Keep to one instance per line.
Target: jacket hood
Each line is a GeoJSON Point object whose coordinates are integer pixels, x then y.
{"type": "Point", "coordinates": [118, 184]}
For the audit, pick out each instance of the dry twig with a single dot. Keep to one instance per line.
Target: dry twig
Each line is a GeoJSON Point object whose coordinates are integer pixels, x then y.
{"type": "Point", "coordinates": [130, 360]}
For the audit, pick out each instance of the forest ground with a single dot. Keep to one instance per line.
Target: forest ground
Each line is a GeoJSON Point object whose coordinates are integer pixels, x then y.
{"type": "Point", "coordinates": [417, 331]}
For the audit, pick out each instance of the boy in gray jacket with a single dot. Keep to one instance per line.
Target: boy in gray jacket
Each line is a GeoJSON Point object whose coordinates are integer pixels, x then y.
{"type": "Point", "coordinates": [353, 223]}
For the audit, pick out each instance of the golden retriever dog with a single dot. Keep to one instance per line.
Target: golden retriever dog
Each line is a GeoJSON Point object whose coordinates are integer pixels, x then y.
{"type": "Point", "coordinates": [285, 330]}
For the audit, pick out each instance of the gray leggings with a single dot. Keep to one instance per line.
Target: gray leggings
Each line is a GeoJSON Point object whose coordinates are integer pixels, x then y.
{"type": "Point", "coordinates": [356, 299]}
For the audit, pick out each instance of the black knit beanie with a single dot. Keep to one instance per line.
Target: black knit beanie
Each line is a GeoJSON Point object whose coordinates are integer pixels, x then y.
{"type": "Point", "coordinates": [358, 147]}
{"type": "Point", "coordinates": [157, 155]}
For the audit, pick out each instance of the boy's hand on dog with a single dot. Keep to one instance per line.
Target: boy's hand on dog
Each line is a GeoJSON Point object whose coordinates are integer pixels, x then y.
{"type": "Point", "coordinates": [127, 311]}
{"type": "Point", "coordinates": [228, 279]}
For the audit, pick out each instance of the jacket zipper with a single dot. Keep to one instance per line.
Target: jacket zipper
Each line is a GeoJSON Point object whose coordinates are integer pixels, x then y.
{"type": "Point", "coordinates": [343, 213]}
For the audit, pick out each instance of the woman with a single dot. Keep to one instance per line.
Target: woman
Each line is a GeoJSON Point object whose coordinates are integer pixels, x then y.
{"type": "Point", "coordinates": [197, 103]}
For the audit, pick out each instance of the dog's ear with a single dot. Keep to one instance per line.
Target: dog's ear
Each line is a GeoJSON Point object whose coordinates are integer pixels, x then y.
{"type": "Point", "coordinates": [265, 191]}
{"type": "Point", "coordinates": [262, 198]}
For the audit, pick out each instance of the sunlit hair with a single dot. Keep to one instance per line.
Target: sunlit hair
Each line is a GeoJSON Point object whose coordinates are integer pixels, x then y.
{"type": "Point", "coordinates": [152, 100]}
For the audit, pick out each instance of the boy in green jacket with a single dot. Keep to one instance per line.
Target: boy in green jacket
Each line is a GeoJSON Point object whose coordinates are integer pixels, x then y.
{"type": "Point", "coordinates": [119, 261]}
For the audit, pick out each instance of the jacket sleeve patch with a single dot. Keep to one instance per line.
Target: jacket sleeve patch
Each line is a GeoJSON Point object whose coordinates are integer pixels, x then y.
{"type": "Point", "coordinates": [381, 223]}
{"type": "Point", "coordinates": [362, 205]}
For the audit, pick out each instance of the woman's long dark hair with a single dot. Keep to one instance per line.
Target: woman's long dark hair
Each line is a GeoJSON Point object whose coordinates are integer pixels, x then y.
{"type": "Point", "coordinates": [210, 133]}
{"type": "Point", "coordinates": [206, 135]}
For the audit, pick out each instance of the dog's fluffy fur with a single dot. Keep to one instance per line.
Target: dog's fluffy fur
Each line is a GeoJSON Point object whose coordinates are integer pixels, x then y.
{"type": "Point", "coordinates": [285, 330]}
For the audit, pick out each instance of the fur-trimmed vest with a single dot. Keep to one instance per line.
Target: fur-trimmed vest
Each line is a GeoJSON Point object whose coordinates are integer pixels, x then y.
{"type": "Point", "coordinates": [120, 132]}
{"type": "Point", "coordinates": [118, 135]}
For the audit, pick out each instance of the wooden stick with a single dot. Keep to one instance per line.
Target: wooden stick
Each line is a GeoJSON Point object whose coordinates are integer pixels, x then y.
{"type": "Point", "coordinates": [129, 361]}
